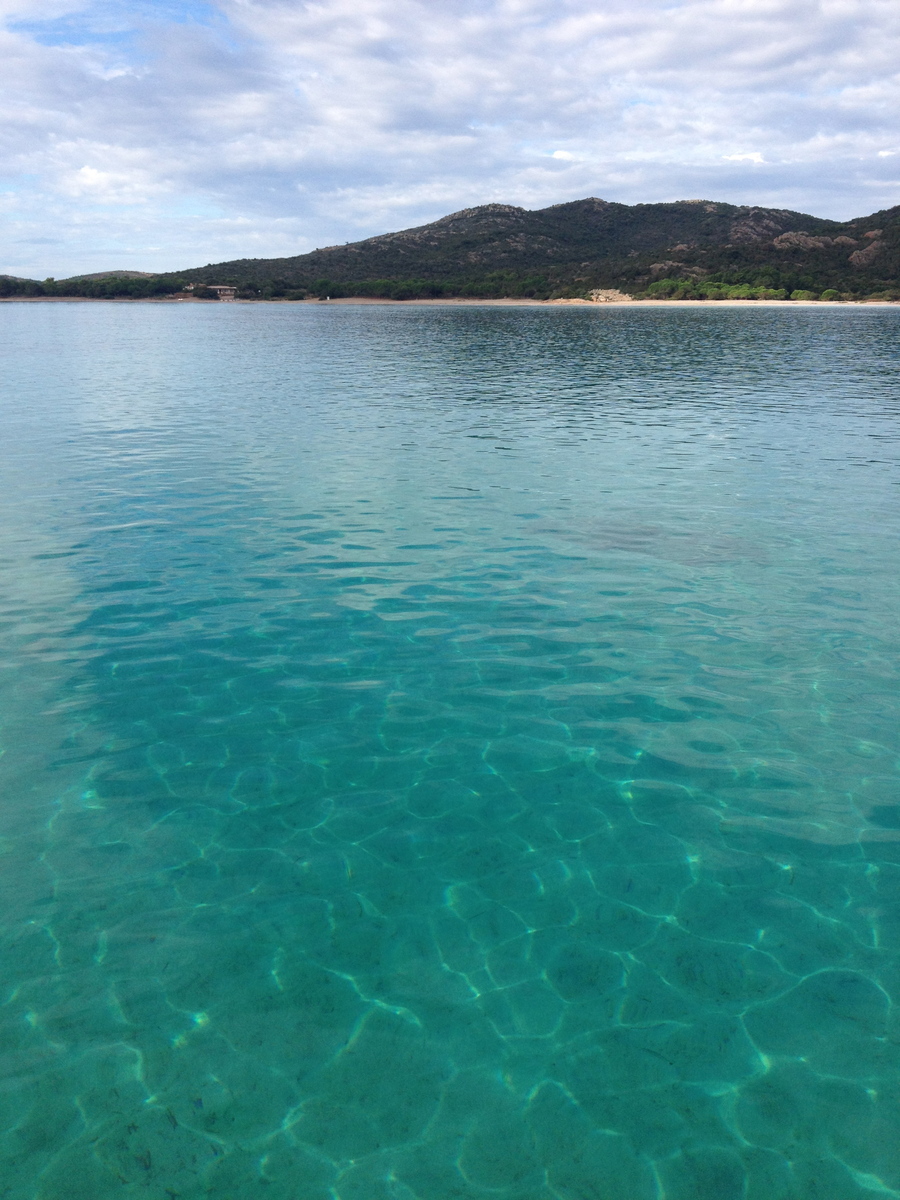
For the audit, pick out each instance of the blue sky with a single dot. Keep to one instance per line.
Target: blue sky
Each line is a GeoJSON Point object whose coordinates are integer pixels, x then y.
{"type": "Point", "coordinates": [157, 134]}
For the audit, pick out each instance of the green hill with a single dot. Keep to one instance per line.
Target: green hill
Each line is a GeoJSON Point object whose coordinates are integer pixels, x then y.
{"type": "Point", "coordinates": [688, 248]}
{"type": "Point", "coordinates": [114, 275]}
{"type": "Point", "coordinates": [570, 249]}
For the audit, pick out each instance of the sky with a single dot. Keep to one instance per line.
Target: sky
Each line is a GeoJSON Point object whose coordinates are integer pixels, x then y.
{"type": "Point", "coordinates": [161, 134]}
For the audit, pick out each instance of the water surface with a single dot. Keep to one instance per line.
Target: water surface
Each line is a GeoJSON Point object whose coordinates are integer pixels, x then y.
{"type": "Point", "coordinates": [449, 754]}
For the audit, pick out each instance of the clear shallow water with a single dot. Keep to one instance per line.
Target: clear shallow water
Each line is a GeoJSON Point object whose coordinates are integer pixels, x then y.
{"type": "Point", "coordinates": [449, 754]}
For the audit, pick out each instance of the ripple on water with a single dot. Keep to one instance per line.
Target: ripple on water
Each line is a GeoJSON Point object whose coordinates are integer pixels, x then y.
{"type": "Point", "coordinates": [363, 844]}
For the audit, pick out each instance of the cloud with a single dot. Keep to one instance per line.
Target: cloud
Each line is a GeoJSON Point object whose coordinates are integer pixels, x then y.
{"type": "Point", "coordinates": [215, 129]}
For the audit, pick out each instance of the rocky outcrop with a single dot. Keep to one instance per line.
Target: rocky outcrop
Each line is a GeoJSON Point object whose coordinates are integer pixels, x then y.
{"type": "Point", "coordinates": [866, 256]}
{"type": "Point", "coordinates": [609, 296]}
{"type": "Point", "coordinates": [800, 239]}
{"type": "Point", "coordinates": [757, 225]}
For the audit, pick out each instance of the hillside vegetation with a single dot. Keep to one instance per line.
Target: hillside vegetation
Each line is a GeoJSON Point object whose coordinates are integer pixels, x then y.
{"type": "Point", "coordinates": [684, 249]}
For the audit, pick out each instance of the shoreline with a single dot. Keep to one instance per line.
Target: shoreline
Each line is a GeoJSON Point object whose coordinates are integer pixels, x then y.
{"type": "Point", "coordinates": [465, 302]}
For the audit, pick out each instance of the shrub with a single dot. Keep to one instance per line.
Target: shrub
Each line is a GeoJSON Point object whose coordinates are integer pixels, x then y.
{"type": "Point", "coordinates": [800, 294]}
{"type": "Point", "coordinates": [830, 294]}
{"type": "Point", "coordinates": [663, 288]}
{"type": "Point", "coordinates": [741, 291]}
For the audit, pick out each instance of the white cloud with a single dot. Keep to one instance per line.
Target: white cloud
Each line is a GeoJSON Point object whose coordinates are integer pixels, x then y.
{"type": "Point", "coordinates": [261, 127]}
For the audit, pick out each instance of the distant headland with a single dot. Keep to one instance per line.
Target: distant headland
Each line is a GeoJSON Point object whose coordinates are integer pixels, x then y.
{"type": "Point", "coordinates": [589, 250]}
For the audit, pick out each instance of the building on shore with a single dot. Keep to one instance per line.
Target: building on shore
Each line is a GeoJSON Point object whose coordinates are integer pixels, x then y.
{"type": "Point", "coordinates": [225, 291]}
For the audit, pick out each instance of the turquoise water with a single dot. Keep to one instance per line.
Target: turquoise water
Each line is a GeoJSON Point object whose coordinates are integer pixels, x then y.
{"type": "Point", "coordinates": [449, 754]}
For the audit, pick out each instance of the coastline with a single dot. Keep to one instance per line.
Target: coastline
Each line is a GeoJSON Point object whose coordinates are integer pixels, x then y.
{"type": "Point", "coordinates": [461, 301]}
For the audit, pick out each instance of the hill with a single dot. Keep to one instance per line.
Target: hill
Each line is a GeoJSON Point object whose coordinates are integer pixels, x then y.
{"type": "Point", "coordinates": [569, 248]}
{"type": "Point", "coordinates": [113, 275]}
{"type": "Point", "coordinates": [687, 248]}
